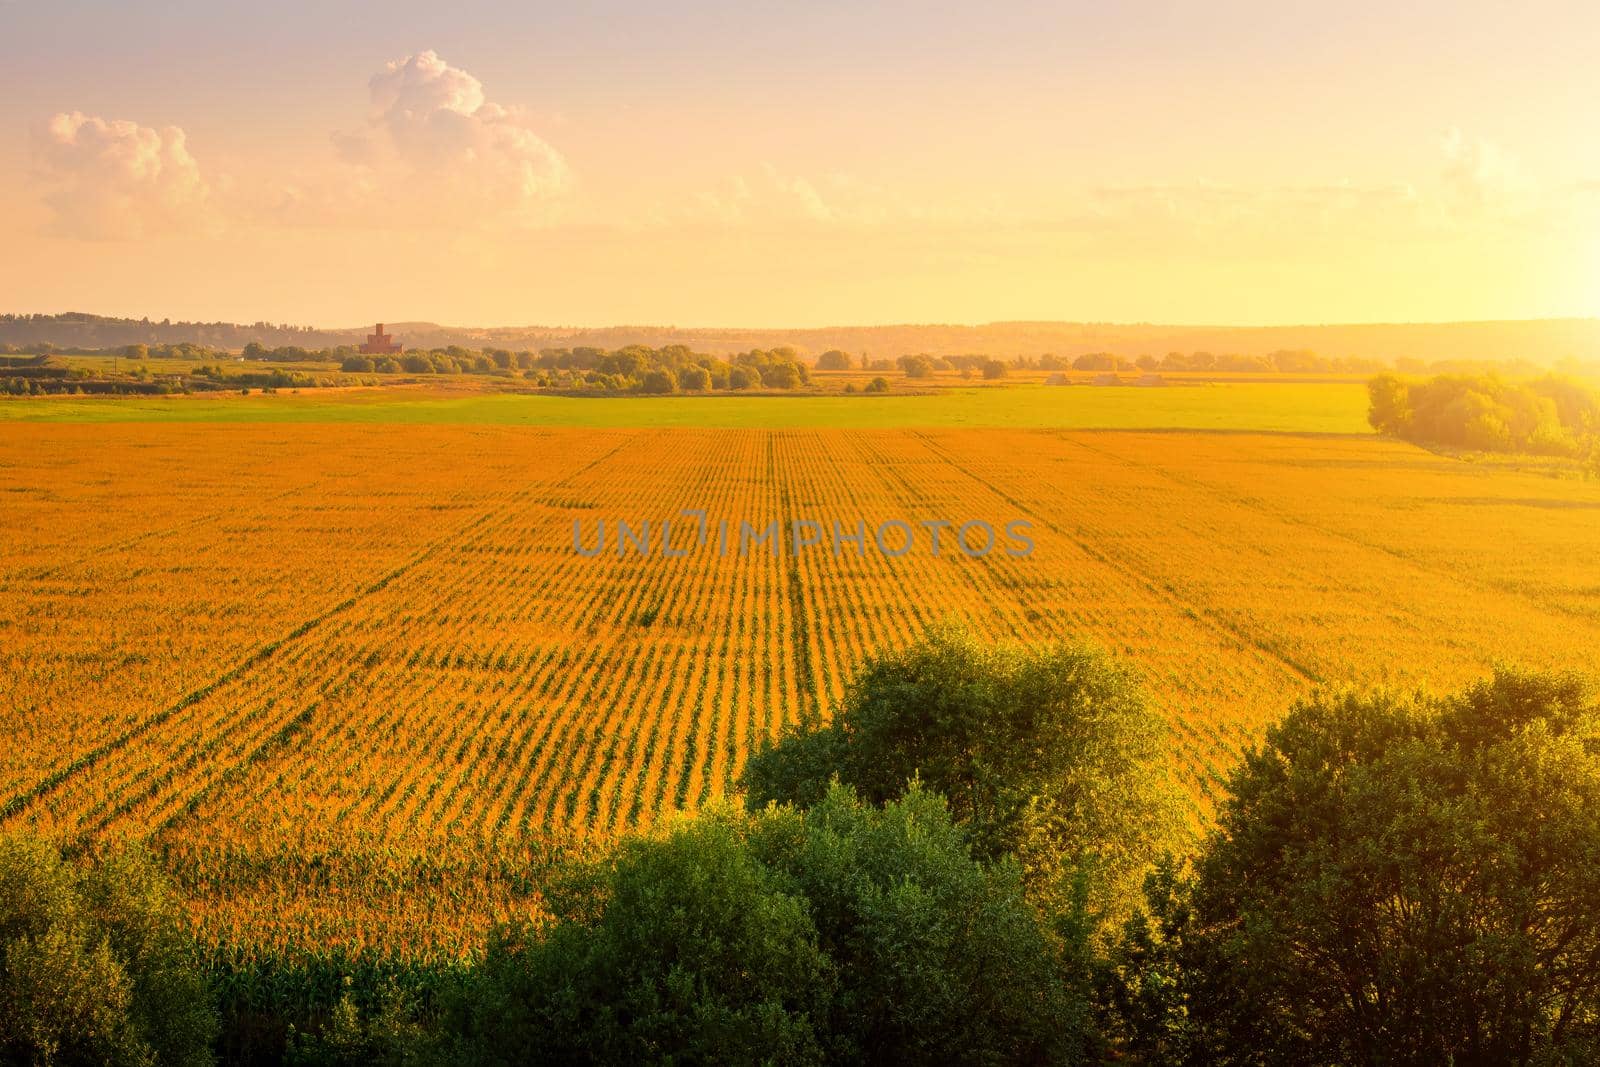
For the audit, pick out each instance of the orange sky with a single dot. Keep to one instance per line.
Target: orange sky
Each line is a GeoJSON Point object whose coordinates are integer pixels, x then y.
{"type": "Point", "coordinates": [800, 164]}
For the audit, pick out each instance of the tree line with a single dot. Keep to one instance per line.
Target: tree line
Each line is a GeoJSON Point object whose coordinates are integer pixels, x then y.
{"type": "Point", "coordinates": [980, 858]}
{"type": "Point", "coordinates": [1550, 416]}
{"type": "Point", "coordinates": [634, 368]}
{"type": "Point", "coordinates": [1541, 343]}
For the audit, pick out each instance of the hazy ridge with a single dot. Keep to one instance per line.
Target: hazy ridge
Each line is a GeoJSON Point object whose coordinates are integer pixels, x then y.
{"type": "Point", "coordinates": [1537, 340]}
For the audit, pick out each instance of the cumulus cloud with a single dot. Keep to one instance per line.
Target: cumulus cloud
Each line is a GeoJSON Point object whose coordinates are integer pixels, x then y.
{"type": "Point", "coordinates": [436, 150]}
{"type": "Point", "coordinates": [119, 180]}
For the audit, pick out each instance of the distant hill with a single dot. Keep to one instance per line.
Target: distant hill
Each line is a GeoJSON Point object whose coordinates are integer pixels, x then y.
{"type": "Point", "coordinates": [1536, 340]}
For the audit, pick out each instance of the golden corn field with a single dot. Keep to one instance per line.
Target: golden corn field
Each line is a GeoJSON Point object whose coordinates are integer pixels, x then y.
{"type": "Point", "coordinates": [324, 669]}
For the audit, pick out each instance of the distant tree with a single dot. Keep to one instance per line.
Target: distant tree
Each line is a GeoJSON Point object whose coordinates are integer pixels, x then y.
{"type": "Point", "coordinates": [1101, 361]}
{"type": "Point", "coordinates": [878, 385]}
{"type": "Point", "coordinates": [1295, 361]}
{"type": "Point", "coordinates": [917, 366]}
{"type": "Point", "coordinates": [136, 351]}
{"type": "Point", "coordinates": [784, 374]}
{"type": "Point", "coordinates": [1389, 410]}
{"type": "Point", "coordinates": [744, 378]}
{"type": "Point", "coordinates": [834, 359]}
{"type": "Point", "coordinates": [717, 369]}
{"type": "Point", "coordinates": [1551, 415]}
{"type": "Point", "coordinates": [993, 369]}
{"type": "Point", "coordinates": [694, 379]}
{"type": "Point", "coordinates": [1147, 363]}
{"type": "Point", "coordinates": [660, 380]}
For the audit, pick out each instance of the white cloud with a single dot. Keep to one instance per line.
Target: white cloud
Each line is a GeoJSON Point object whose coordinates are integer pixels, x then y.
{"type": "Point", "coordinates": [435, 150]}
{"type": "Point", "coordinates": [771, 197]}
{"type": "Point", "coordinates": [119, 180]}
{"type": "Point", "coordinates": [1482, 181]}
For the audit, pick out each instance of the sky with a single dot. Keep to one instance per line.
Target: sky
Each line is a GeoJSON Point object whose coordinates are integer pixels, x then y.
{"type": "Point", "coordinates": [800, 164]}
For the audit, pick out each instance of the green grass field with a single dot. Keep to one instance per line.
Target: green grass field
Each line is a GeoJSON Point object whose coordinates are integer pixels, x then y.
{"type": "Point", "coordinates": [1290, 407]}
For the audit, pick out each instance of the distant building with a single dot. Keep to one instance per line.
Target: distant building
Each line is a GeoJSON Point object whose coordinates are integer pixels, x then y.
{"type": "Point", "coordinates": [380, 344]}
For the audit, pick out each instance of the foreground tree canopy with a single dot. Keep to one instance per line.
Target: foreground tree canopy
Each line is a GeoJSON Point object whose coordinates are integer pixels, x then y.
{"type": "Point", "coordinates": [1050, 754]}
{"type": "Point", "coordinates": [941, 875]}
{"type": "Point", "coordinates": [1395, 879]}
{"type": "Point", "coordinates": [845, 934]}
{"type": "Point", "coordinates": [93, 965]}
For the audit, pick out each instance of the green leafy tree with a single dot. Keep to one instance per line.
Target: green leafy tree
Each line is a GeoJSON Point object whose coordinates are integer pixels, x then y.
{"type": "Point", "coordinates": [785, 374]}
{"type": "Point", "coordinates": [1397, 879]}
{"type": "Point", "coordinates": [847, 933]}
{"type": "Point", "coordinates": [660, 380]}
{"type": "Point", "coordinates": [94, 967]}
{"type": "Point", "coordinates": [1047, 753]}
{"type": "Point", "coordinates": [385, 1034]}
{"type": "Point", "coordinates": [1389, 410]}
{"type": "Point", "coordinates": [939, 958]}
{"type": "Point", "coordinates": [1546, 416]}
{"type": "Point", "coordinates": [683, 948]}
